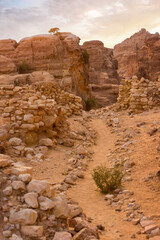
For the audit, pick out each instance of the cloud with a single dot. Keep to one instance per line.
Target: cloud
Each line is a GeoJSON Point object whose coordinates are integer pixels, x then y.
{"type": "Point", "coordinates": [109, 21]}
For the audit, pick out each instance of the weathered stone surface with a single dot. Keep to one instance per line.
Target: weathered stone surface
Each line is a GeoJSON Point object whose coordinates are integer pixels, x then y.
{"type": "Point", "coordinates": [5, 160]}
{"type": "Point", "coordinates": [45, 203]}
{"type": "Point", "coordinates": [32, 231]}
{"type": "Point", "coordinates": [139, 55]}
{"type": "Point", "coordinates": [83, 234]}
{"type": "Point", "coordinates": [148, 229]}
{"type": "Point", "coordinates": [15, 237]}
{"type": "Point", "coordinates": [7, 65]}
{"type": "Point", "coordinates": [60, 54]}
{"type": "Point", "coordinates": [62, 236]}
{"type": "Point", "coordinates": [61, 209]}
{"type": "Point", "coordinates": [103, 77]}
{"type": "Point", "coordinates": [31, 199]}
{"type": "Point", "coordinates": [146, 223]}
{"type": "Point", "coordinates": [24, 217]}
{"type": "Point", "coordinates": [18, 169]}
{"type": "Point", "coordinates": [75, 210]}
{"type": "Point", "coordinates": [39, 186]}
{"type": "Point", "coordinates": [26, 178]}
{"type": "Point", "coordinates": [46, 142]}
{"type": "Point", "coordinates": [7, 191]}
{"type": "Point", "coordinates": [15, 141]}
{"type": "Point", "coordinates": [18, 185]}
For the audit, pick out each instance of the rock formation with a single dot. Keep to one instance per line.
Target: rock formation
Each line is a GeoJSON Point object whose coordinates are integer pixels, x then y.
{"type": "Point", "coordinates": [139, 55]}
{"type": "Point", "coordinates": [103, 77]}
{"type": "Point", "coordinates": [62, 56]}
{"type": "Point", "coordinates": [59, 54]}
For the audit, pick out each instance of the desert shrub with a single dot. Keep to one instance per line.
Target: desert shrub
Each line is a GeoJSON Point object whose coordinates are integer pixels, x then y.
{"type": "Point", "coordinates": [107, 179]}
{"type": "Point", "coordinates": [23, 67]}
{"type": "Point", "coordinates": [85, 56]}
{"type": "Point", "coordinates": [91, 103]}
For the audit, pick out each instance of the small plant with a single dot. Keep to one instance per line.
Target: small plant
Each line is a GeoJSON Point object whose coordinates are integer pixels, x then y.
{"type": "Point", "coordinates": [107, 179]}
{"type": "Point", "coordinates": [91, 103]}
{"type": "Point", "coordinates": [23, 67]}
{"type": "Point", "coordinates": [53, 30]}
{"type": "Point", "coordinates": [85, 56]}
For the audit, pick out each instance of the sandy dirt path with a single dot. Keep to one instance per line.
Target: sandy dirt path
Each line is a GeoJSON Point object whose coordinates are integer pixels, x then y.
{"type": "Point", "coordinates": [92, 201]}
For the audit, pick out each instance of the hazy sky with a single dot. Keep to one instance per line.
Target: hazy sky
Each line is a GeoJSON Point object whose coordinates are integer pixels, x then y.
{"type": "Point", "coordinates": [110, 21]}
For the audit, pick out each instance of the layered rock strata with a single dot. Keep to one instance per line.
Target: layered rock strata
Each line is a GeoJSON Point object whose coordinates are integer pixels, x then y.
{"type": "Point", "coordinates": [139, 55]}
{"type": "Point", "coordinates": [103, 77]}
{"type": "Point", "coordinates": [60, 54]}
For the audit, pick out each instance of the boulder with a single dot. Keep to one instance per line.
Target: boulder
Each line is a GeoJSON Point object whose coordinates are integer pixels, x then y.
{"type": "Point", "coordinates": [46, 142]}
{"type": "Point", "coordinates": [40, 187]}
{"type": "Point", "coordinates": [15, 141]}
{"type": "Point", "coordinates": [32, 231]}
{"type": "Point", "coordinates": [46, 203]}
{"type": "Point", "coordinates": [61, 209]}
{"type": "Point", "coordinates": [18, 185]}
{"type": "Point", "coordinates": [62, 236]}
{"type": "Point", "coordinates": [5, 160]}
{"type": "Point", "coordinates": [24, 217]}
{"type": "Point", "coordinates": [31, 199]}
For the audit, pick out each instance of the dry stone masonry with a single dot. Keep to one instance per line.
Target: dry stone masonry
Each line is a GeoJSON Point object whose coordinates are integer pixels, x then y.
{"type": "Point", "coordinates": [31, 209]}
{"type": "Point", "coordinates": [35, 115]}
{"type": "Point", "coordinates": [138, 95]}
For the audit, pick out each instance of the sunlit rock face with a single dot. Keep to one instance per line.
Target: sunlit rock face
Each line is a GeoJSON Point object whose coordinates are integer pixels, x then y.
{"type": "Point", "coordinates": [59, 54]}
{"type": "Point", "coordinates": [139, 55]}
{"type": "Point", "coordinates": [103, 75]}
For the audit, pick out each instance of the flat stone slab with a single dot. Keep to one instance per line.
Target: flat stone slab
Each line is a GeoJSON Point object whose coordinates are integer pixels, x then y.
{"type": "Point", "coordinates": [146, 223]}
{"type": "Point", "coordinates": [148, 229]}
{"type": "Point", "coordinates": [18, 169]}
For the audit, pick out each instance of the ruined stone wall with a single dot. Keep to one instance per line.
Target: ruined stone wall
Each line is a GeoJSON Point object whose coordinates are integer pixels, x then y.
{"type": "Point", "coordinates": [138, 95]}
{"type": "Point", "coordinates": [35, 114]}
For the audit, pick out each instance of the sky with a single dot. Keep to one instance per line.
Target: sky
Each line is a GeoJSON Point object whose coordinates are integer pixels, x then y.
{"type": "Point", "coordinates": [110, 21]}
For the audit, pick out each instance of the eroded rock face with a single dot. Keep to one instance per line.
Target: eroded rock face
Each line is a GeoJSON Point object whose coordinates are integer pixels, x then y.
{"type": "Point", "coordinates": [59, 54]}
{"type": "Point", "coordinates": [139, 55]}
{"type": "Point", "coordinates": [103, 77]}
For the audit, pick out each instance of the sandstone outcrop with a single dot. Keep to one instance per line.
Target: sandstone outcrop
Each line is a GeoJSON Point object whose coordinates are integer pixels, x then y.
{"type": "Point", "coordinates": [60, 54]}
{"type": "Point", "coordinates": [139, 55]}
{"type": "Point", "coordinates": [103, 77]}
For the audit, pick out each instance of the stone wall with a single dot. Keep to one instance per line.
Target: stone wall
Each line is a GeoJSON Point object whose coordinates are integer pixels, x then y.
{"type": "Point", "coordinates": [35, 114]}
{"type": "Point", "coordinates": [138, 95]}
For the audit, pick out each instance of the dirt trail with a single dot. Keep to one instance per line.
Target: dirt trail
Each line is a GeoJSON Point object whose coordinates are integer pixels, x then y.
{"type": "Point", "coordinates": [92, 201]}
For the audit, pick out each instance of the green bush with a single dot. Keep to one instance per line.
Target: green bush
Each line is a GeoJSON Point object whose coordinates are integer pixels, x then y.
{"type": "Point", "coordinates": [85, 56]}
{"type": "Point", "coordinates": [91, 103]}
{"type": "Point", "coordinates": [107, 179]}
{"type": "Point", "coordinates": [23, 67]}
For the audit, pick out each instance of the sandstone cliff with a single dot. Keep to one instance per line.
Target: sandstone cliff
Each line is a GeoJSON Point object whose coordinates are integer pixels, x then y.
{"type": "Point", "coordinates": [139, 55]}
{"type": "Point", "coordinates": [103, 77]}
{"type": "Point", "coordinates": [59, 54]}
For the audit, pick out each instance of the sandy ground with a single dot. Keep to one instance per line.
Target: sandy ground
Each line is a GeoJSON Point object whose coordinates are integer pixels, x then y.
{"type": "Point", "coordinates": [147, 163]}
